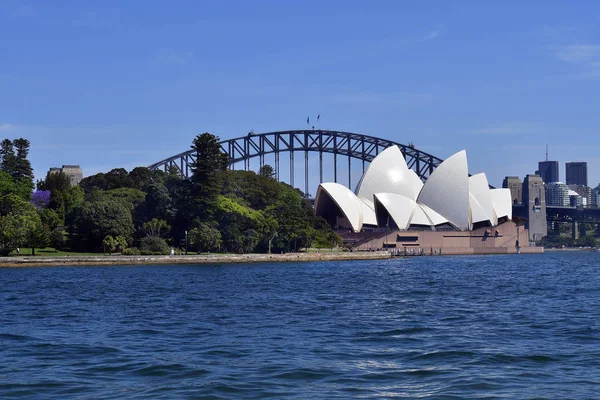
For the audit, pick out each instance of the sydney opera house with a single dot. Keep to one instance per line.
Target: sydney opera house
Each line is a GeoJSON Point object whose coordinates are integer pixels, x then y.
{"type": "Point", "coordinates": [451, 212]}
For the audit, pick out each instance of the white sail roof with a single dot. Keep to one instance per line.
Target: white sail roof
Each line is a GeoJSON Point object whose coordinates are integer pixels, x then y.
{"type": "Point", "coordinates": [368, 211]}
{"type": "Point", "coordinates": [420, 217]}
{"type": "Point", "coordinates": [417, 183]}
{"type": "Point", "coordinates": [388, 173]}
{"type": "Point", "coordinates": [478, 214]}
{"type": "Point", "coordinates": [480, 192]}
{"type": "Point", "coordinates": [447, 191]}
{"type": "Point", "coordinates": [399, 207]}
{"type": "Point", "coordinates": [502, 202]}
{"type": "Point", "coordinates": [434, 217]}
{"type": "Point", "coordinates": [345, 199]}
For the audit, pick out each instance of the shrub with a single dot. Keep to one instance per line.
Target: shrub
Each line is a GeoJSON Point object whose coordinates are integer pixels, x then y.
{"type": "Point", "coordinates": [109, 244]}
{"type": "Point", "coordinates": [131, 251]}
{"type": "Point", "coordinates": [153, 245]}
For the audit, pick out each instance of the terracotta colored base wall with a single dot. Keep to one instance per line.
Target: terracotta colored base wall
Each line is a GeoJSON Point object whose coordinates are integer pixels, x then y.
{"type": "Point", "coordinates": [498, 240]}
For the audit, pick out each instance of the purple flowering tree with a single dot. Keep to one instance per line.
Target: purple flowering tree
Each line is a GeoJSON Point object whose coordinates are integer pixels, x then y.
{"type": "Point", "coordinates": [40, 199]}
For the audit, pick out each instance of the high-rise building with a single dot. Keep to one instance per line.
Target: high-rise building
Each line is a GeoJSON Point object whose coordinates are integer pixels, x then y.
{"type": "Point", "coordinates": [548, 171]}
{"type": "Point", "coordinates": [516, 188]}
{"type": "Point", "coordinates": [558, 194]}
{"type": "Point", "coordinates": [72, 171]}
{"type": "Point", "coordinates": [577, 173]}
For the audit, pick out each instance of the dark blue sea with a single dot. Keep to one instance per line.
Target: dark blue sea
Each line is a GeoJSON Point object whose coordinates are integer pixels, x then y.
{"type": "Point", "coordinates": [524, 326]}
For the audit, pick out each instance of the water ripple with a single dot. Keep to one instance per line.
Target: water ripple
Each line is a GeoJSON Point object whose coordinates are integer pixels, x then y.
{"type": "Point", "coordinates": [431, 327]}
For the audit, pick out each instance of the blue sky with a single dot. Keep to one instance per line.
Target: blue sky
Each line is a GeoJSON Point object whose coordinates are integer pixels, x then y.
{"type": "Point", "coordinates": [110, 84]}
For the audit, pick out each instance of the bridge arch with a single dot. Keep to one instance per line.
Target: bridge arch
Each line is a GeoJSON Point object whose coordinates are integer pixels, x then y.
{"type": "Point", "coordinates": [344, 144]}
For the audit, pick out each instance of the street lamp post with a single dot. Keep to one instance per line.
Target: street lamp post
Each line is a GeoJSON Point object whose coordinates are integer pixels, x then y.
{"type": "Point", "coordinates": [186, 242]}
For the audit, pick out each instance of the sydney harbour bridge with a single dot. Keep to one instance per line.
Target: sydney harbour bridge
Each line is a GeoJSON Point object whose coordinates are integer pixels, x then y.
{"type": "Point", "coordinates": [342, 147]}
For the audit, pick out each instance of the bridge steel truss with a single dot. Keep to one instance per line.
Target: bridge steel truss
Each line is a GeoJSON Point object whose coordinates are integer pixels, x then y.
{"type": "Point", "coordinates": [341, 144]}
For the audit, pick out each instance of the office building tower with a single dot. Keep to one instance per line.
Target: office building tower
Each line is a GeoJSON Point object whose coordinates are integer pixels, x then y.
{"type": "Point", "coordinates": [576, 173]}
{"type": "Point", "coordinates": [548, 171]}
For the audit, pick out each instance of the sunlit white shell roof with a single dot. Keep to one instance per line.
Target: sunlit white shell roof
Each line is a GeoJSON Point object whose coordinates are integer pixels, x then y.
{"type": "Point", "coordinates": [388, 170]}
{"type": "Point", "coordinates": [447, 191]}
{"type": "Point", "coordinates": [391, 194]}
{"type": "Point", "coordinates": [502, 202]}
{"type": "Point", "coordinates": [482, 196]}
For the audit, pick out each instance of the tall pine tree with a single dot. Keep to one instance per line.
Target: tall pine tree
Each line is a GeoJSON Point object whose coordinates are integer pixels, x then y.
{"type": "Point", "coordinates": [210, 160]}
{"type": "Point", "coordinates": [7, 157]}
{"type": "Point", "coordinates": [22, 165]}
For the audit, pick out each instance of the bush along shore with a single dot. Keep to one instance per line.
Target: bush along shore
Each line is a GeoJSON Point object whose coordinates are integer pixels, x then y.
{"type": "Point", "coordinates": [189, 259]}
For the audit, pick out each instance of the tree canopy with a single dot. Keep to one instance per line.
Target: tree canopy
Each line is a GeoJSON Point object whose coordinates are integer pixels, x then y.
{"type": "Point", "coordinates": [149, 211]}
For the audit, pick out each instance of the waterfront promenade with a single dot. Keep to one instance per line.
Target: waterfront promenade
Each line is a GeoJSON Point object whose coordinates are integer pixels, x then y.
{"type": "Point", "coordinates": [189, 259]}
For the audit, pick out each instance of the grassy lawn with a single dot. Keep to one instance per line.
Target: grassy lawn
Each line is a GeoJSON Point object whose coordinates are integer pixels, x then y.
{"type": "Point", "coordinates": [51, 252]}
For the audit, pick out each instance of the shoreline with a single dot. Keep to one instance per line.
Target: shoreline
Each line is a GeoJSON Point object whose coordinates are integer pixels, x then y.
{"type": "Point", "coordinates": [205, 259]}
{"type": "Point", "coordinates": [68, 261]}
{"type": "Point", "coordinates": [551, 249]}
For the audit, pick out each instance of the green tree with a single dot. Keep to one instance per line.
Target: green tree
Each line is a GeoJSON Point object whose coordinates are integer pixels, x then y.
{"type": "Point", "coordinates": [50, 218]}
{"type": "Point", "coordinates": [57, 238]}
{"type": "Point", "coordinates": [142, 177]}
{"type": "Point", "coordinates": [121, 244]}
{"type": "Point", "coordinates": [8, 159]}
{"type": "Point", "coordinates": [158, 203]}
{"type": "Point", "coordinates": [295, 218]}
{"type": "Point", "coordinates": [206, 237]}
{"type": "Point", "coordinates": [102, 217]}
{"type": "Point", "coordinates": [93, 182]}
{"type": "Point", "coordinates": [22, 165]}
{"type": "Point", "coordinates": [116, 178]}
{"type": "Point", "coordinates": [19, 187]}
{"type": "Point", "coordinates": [59, 185]}
{"type": "Point", "coordinates": [251, 239]}
{"type": "Point", "coordinates": [235, 220]}
{"type": "Point", "coordinates": [55, 182]}
{"type": "Point", "coordinates": [12, 233]}
{"type": "Point", "coordinates": [19, 223]}
{"type": "Point", "coordinates": [209, 161]}
{"type": "Point", "coordinates": [153, 245]}
{"type": "Point", "coordinates": [37, 236]}
{"type": "Point", "coordinates": [156, 227]}
{"type": "Point", "coordinates": [267, 171]}
{"type": "Point", "coordinates": [72, 199]}
{"type": "Point", "coordinates": [184, 207]}
{"type": "Point", "coordinates": [109, 244]}
{"type": "Point", "coordinates": [131, 197]}
{"type": "Point", "coordinates": [253, 190]}
{"type": "Point", "coordinates": [173, 172]}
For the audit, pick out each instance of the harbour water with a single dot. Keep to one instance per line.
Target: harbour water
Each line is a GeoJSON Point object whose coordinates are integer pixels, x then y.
{"type": "Point", "coordinates": [426, 327]}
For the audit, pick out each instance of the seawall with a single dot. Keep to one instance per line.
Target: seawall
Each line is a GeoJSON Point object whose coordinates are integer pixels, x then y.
{"type": "Point", "coordinates": [190, 259]}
